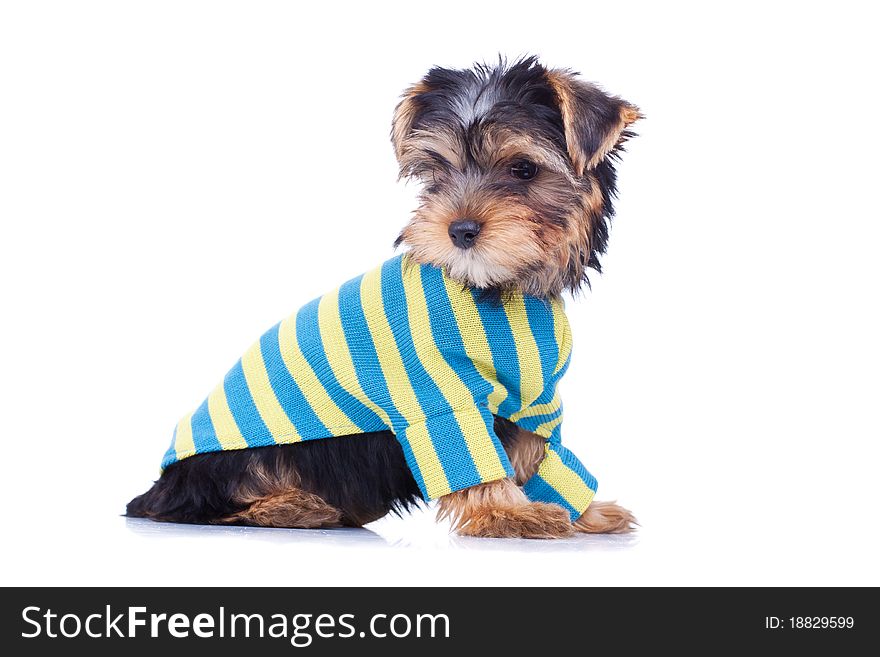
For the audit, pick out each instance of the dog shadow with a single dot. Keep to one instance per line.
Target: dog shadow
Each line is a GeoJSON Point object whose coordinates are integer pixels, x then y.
{"type": "Point", "coordinates": [579, 543]}
{"type": "Point", "coordinates": [150, 529]}
{"type": "Point", "coordinates": [379, 536]}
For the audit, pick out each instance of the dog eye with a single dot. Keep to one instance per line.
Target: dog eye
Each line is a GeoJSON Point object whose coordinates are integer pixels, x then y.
{"type": "Point", "coordinates": [524, 170]}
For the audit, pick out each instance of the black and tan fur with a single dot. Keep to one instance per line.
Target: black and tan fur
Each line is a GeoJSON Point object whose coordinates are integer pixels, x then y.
{"type": "Point", "coordinates": [462, 134]}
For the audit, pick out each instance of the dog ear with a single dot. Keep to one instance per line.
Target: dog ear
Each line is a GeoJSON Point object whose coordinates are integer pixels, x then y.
{"type": "Point", "coordinates": [595, 122]}
{"type": "Point", "coordinates": [405, 115]}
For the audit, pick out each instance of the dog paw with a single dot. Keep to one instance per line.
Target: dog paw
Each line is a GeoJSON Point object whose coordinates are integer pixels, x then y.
{"type": "Point", "coordinates": [533, 520]}
{"type": "Point", "coordinates": [605, 518]}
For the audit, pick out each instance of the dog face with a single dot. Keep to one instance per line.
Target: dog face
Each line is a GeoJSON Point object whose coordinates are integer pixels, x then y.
{"type": "Point", "coordinates": [516, 164]}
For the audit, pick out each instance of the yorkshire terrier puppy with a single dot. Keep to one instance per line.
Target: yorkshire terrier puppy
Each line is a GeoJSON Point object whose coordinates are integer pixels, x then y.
{"type": "Point", "coordinates": [434, 376]}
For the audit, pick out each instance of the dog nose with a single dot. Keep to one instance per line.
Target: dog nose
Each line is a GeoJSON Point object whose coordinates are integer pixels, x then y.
{"type": "Point", "coordinates": [464, 233]}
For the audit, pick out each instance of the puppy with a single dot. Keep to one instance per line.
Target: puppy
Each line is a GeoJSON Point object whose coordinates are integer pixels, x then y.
{"type": "Point", "coordinates": [435, 375]}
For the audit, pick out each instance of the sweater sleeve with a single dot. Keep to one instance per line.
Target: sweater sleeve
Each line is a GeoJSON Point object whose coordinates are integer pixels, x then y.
{"type": "Point", "coordinates": [562, 479]}
{"type": "Point", "coordinates": [454, 450]}
{"type": "Point", "coordinates": [448, 435]}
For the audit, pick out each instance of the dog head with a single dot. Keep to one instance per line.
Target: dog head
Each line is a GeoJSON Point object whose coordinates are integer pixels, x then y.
{"type": "Point", "coordinates": [517, 169]}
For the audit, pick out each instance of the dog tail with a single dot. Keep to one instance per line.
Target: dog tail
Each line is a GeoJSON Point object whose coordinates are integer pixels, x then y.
{"type": "Point", "coordinates": [146, 505]}
{"type": "Point", "coordinates": [170, 499]}
{"type": "Point", "coordinates": [196, 490]}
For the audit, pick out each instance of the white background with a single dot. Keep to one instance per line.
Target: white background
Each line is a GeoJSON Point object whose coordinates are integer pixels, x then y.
{"type": "Point", "coordinates": [177, 176]}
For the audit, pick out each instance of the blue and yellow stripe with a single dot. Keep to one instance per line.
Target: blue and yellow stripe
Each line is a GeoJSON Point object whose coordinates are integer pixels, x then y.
{"type": "Point", "coordinates": [406, 349]}
{"type": "Point", "coordinates": [562, 479]}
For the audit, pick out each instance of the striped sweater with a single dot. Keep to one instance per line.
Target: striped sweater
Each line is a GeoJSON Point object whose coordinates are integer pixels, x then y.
{"type": "Point", "coordinates": [406, 349]}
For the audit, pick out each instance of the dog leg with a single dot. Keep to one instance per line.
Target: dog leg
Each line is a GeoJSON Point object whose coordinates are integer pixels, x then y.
{"type": "Point", "coordinates": [605, 518]}
{"type": "Point", "coordinates": [499, 509]}
{"type": "Point", "coordinates": [526, 451]}
{"type": "Point", "coordinates": [272, 496]}
{"type": "Point", "coordinates": [292, 508]}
